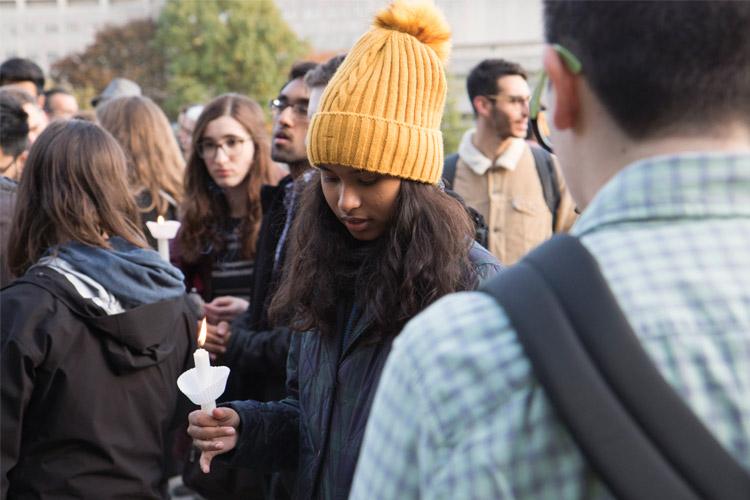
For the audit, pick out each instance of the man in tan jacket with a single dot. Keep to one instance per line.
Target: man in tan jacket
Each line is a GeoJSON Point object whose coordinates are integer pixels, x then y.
{"type": "Point", "coordinates": [496, 171]}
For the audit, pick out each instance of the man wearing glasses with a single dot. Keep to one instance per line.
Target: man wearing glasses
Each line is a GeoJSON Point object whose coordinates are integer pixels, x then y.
{"type": "Point", "coordinates": [290, 121]}
{"type": "Point", "coordinates": [519, 191]}
{"type": "Point", "coordinates": [649, 109]}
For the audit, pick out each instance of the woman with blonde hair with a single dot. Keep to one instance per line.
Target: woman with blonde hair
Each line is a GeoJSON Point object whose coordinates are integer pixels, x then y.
{"type": "Point", "coordinates": [221, 213]}
{"type": "Point", "coordinates": [155, 164]}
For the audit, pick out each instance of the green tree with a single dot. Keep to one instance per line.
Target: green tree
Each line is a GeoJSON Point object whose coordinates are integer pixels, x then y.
{"type": "Point", "coordinates": [453, 126]}
{"type": "Point", "coordinates": [455, 122]}
{"type": "Point", "coordinates": [217, 46]}
{"type": "Point", "coordinates": [117, 51]}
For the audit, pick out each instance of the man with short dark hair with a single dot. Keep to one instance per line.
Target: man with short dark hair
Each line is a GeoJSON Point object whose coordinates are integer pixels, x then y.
{"type": "Point", "coordinates": [498, 174]}
{"type": "Point", "coordinates": [652, 126]}
{"type": "Point", "coordinates": [25, 75]}
{"type": "Point", "coordinates": [14, 143]}
{"type": "Point", "coordinates": [60, 104]}
{"type": "Point", "coordinates": [290, 120]}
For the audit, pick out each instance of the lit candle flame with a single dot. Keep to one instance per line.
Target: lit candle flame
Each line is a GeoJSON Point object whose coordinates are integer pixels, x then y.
{"type": "Point", "coordinates": [202, 334]}
{"type": "Point", "coordinates": [160, 220]}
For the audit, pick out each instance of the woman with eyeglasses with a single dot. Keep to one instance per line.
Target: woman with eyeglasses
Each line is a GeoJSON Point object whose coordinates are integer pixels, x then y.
{"type": "Point", "coordinates": [221, 213]}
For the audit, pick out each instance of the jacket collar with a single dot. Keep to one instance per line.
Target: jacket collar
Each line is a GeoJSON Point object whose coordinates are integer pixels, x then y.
{"type": "Point", "coordinates": [480, 164]}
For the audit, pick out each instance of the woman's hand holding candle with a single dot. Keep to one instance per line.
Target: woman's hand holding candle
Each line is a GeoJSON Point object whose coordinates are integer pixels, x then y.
{"type": "Point", "coordinates": [214, 430]}
{"type": "Point", "coordinates": [213, 433]}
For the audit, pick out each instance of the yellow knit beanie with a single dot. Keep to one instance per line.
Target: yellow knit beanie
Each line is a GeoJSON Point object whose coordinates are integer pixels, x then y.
{"type": "Point", "coordinates": [381, 111]}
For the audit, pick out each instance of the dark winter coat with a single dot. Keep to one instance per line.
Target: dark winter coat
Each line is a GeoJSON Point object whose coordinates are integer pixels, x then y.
{"type": "Point", "coordinates": [318, 428]}
{"type": "Point", "coordinates": [89, 400]}
{"type": "Point", "coordinates": [256, 353]}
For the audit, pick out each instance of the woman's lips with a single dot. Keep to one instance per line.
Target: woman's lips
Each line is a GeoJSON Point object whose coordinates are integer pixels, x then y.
{"type": "Point", "coordinates": [355, 224]}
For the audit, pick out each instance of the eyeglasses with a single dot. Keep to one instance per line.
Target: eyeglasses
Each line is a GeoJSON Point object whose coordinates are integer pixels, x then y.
{"type": "Point", "coordinates": [538, 124]}
{"type": "Point", "coordinates": [232, 146]}
{"type": "Point", "coordinates": [299, 108]}
{"type": "Point", "coordinates": [517, 100]}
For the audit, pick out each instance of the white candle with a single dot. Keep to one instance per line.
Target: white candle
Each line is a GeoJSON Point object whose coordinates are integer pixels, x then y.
{"type": "Point", "coordinates": [203, 364]}
{"type": "Point", "coordinates": [163, 245]}
{"type": "Point", "coordinates": [163, 231]}
{"type": "Point", "coordinates": [204, 383]}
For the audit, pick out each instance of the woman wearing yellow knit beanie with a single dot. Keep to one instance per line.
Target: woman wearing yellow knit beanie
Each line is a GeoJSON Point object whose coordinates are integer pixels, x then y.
{"type": "Point", "coordinates": [375, 240]}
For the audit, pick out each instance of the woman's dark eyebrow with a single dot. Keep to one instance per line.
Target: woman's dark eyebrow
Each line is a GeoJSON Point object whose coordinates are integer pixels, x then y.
{"type": "Point", "coordinates": [322, 167]}
{"type": "Point", "coordinates": [226, 136]}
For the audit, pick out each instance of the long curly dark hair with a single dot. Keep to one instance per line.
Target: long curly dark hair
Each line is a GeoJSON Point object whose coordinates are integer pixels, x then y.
{"type": "Point", "coordinates": [205, 210]}
{"type": "Point", "coordinates": [422, 256]}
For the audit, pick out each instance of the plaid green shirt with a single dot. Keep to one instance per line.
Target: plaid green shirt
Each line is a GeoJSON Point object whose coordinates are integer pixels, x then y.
{"type": "Point", "coordinates": [460, 415]}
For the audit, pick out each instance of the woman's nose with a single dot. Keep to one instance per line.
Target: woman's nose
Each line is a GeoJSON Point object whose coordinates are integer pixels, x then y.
{"type": "Point", "coordinates": [348, 199]}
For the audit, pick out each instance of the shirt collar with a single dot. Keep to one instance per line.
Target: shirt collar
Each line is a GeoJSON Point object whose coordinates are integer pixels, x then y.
{"type": "Point", "coordinates": [480, 164]}
{"type": "Point", "coordinates": [685, 186]}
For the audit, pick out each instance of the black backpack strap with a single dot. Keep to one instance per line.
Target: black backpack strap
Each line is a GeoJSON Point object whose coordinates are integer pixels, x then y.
{"type": "Point", "coordinates": [481, 231]}
{"type": "Point", "coordinates": [449, 170]}
{"type": "Point", "coordinates": [545, 167]}
{"type": "Point", "coordinates": [634, 430]}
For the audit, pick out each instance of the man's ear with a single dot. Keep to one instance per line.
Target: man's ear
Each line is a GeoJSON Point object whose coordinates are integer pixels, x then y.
{"type": "Point", "coordinates": [482, 105]}
{"type": "Point", "coordinates": [567, 103]}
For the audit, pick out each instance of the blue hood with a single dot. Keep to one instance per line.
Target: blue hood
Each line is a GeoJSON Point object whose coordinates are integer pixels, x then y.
{"type": "Point", "coordinates": [135, 276]}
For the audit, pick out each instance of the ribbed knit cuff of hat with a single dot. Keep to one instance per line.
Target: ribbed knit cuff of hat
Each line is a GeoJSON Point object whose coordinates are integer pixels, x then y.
{"type": "Point", "coordinates": [377, 145]}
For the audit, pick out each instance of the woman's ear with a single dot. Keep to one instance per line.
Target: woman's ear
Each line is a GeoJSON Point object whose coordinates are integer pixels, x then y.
{"type": "Point", "coordinates": [565, 85]}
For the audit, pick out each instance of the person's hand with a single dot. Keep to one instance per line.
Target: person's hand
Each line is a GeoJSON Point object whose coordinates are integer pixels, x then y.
{"type": "Point", "coordinates": [213, 434]}
{"type": "Point", "coordinates": [217, 338]}
{"type": "Point", "coordinates": [224, 308]}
